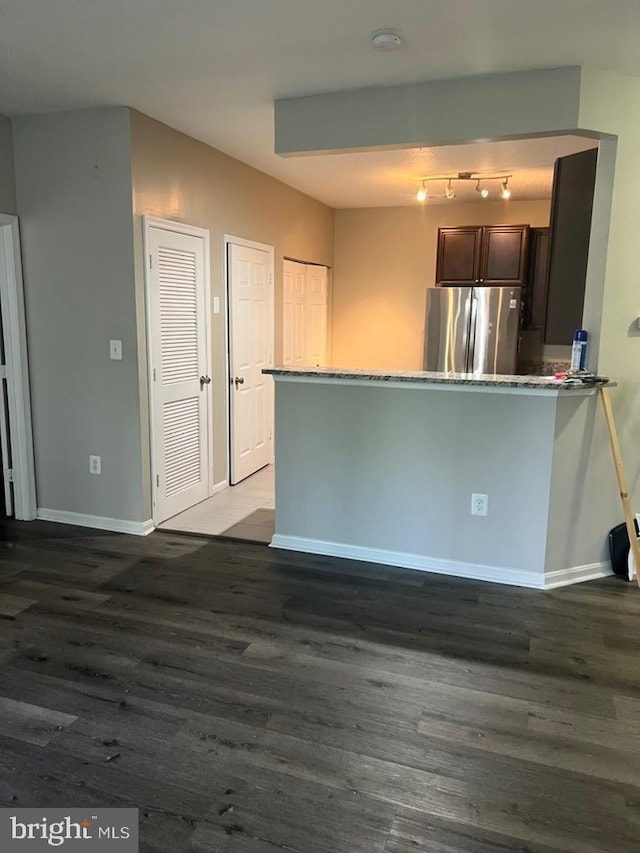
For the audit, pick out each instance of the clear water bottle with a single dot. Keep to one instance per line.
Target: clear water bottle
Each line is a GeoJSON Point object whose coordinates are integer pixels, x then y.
{"type": "Point", "coordinates": [579, 350]}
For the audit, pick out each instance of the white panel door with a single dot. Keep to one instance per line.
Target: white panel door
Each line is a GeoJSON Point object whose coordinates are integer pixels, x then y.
{"type": "Point", "coordinates": [250, 350]}
{"type": "Point", "coordinates": [294, 275]}
{"type": "Point", "coordinates": [179, 369]}
{"type": "Point", "coordinates": [315, 321]}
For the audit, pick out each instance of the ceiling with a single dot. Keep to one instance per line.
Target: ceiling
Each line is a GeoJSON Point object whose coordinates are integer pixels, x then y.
{"type": "Point", "coordinates": [212, 68]}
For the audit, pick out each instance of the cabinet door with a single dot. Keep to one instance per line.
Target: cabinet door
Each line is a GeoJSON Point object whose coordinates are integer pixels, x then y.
{"type": "Point", "coordinates": [536, 292]}
{"type": "Point", "coordinates": [504, 255]}
{"type": "Point", "coordinates": [458, 255]}
{"type": "Point", "coordinates": [570, 229]}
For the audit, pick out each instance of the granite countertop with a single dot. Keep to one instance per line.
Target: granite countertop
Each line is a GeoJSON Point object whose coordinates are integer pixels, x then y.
{"type": "Point", "coordinates": [542, 383]}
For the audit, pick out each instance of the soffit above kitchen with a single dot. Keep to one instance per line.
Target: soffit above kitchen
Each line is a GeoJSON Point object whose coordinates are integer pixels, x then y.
{"type": "Point", "coordinates": [213, 68]}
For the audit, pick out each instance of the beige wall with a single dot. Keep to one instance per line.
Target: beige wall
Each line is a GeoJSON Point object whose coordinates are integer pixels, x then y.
{"type": "Point", "coordinates": [385, 258]}
{"type": "Point", "coordinates": [176, 177]}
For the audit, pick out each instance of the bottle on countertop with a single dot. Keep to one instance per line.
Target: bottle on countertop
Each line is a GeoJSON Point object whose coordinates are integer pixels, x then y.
{"type": "Point", "coordinates": [579, 350]}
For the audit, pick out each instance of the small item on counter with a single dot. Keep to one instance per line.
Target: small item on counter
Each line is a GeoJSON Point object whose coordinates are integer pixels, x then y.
{"type": "Point", "coordinates": [580, 377]}
{"type": "Point", "coordinates": [579, 349]}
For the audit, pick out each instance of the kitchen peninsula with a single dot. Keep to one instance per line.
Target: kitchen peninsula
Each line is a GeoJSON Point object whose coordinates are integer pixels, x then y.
{"type": "Point", "coordinates": [381, 466]}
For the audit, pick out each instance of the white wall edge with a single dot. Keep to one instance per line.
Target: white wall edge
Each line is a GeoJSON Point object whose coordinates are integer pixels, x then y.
{"type": "Point", "coordinates": [98, 522]}
{"type": "Point", "coordinates": [577, 574]}
{"type": "Point", "coordinates": [401, 559]}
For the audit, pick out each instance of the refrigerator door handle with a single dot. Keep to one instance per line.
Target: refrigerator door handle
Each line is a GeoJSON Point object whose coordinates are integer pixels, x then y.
{"type": "Point", "coordinates": [471, 352]}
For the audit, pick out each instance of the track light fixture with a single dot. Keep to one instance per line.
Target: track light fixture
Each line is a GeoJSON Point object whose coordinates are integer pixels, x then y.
{"type": "Point", "coordinates": [481, 188]}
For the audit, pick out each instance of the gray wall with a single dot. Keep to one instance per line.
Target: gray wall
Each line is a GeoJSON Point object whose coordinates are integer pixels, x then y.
{"type": "Point", "coordinates": [73, 183]}
{"type": "Point", "coordinates": [394, 469]}
{"type": "Point", "coordinates": [7, 182]}
{"type": "Point", "coordinates": [492, 106]}
{"type": "Point", "coordinates": [583, 483]}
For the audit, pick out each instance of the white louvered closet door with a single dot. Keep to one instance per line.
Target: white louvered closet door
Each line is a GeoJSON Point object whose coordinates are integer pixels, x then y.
{"type": "Point", "coordinates": [179, 369]}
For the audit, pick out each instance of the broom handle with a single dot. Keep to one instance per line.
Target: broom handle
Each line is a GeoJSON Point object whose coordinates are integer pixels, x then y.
{"type": "Point", "coordinates": [634, 544]}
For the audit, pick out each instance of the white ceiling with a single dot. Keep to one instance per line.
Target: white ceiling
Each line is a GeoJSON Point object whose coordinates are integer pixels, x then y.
{"type": "Point", "coordinates": [212, 68]}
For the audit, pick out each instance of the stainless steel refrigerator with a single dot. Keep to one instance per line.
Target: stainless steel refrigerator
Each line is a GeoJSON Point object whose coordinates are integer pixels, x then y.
{"type": "Point", "coordinates": [472, 329]}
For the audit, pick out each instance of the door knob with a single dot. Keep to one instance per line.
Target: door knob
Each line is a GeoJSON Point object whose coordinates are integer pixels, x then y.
{"type": "Point", "coordinates": [239, 381]}
{"type": "Point", "coordinates": [204, 380]}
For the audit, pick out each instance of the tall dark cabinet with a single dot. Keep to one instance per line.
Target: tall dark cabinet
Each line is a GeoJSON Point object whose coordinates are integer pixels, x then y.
{"type": "Point", "coordinates": [569, 230]}
{"type": "Point", "coordinates": [487, 255]}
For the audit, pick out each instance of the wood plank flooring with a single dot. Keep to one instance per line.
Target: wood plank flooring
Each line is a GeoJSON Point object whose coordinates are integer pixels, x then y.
{"type": "Point", "coordinates": [250, 701]}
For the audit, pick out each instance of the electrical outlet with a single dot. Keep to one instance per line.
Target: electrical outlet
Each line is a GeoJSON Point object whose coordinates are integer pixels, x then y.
{"type": "Point", "coordinates": [95, 465]}
{"type": "Point", "coordinates": [479, 504]}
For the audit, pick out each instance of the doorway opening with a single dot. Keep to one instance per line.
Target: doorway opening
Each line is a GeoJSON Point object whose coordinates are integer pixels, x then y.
{"type": "Point", "coordinates": [245, 508]}
{"type": "Point", "coordinates": [16, 438]}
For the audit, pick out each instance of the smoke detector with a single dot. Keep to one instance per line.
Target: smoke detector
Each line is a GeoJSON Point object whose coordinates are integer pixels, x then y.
{"type": "Point", "coordinates": [386, 39]}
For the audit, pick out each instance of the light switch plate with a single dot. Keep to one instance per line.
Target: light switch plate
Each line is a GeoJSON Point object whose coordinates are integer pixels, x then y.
{"type": "Point", "coordinates": [115, 350]}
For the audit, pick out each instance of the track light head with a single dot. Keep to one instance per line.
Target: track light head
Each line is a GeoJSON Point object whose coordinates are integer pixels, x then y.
{"type": "Point", "coordinates": [484, 192]}
{"type": "Point", "coordinates": [450, 192]}
{"type": "Point", "coordinates": [422, 193]}
{"type": "Point", "coordinates": [506, 192]}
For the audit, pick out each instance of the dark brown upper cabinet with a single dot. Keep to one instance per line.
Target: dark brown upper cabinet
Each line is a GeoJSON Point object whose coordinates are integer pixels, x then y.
{"type": "Point", "coordinates": [459, 251]}
{"type": "Point", "coordinates": [487, 255]}
{"type": "Point", "coordinates": [570, 227]}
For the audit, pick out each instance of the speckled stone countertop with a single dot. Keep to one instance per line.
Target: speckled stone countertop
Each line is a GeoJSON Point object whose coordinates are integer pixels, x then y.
{"type": "Point", "coordinates": [541, 383]}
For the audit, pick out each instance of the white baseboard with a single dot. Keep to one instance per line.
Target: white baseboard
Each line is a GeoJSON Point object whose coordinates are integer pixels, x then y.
{"type": "Point", "coordinates": [472, 571]}
{"type": "Point", "coordinates": [577, 574]}
{"type": "Point", "coordinates": [98, 522]}
{"type": "Point", "coordinates": [218, 487]}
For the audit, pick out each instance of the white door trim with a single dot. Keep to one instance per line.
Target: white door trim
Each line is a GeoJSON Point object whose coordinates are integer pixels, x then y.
{"type": "Point", "coordinates": [149, 222]}
{"type": "Point", "coordinates": [19, 399]}
{"type": "Point", "coordinates": [263, 247]}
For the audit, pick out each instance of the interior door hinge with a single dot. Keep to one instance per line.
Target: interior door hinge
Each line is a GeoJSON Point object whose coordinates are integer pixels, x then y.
{"type": "Point", "coordinates": [150, 262]}
{"type": "Point", "coordinates": [157, 479]}
{"type": "Point", "coordinates": [154, 374]}
{"type": "Point", "coordinates": [10, 475]}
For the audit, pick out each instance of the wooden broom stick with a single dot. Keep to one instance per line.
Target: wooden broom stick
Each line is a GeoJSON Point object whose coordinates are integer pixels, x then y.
{"type": "Point", "coordinates": [634, 544]}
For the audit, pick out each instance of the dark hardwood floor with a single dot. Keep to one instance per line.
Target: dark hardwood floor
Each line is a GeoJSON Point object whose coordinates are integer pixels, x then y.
{"type": "Point", "coordinates": [250, 701]}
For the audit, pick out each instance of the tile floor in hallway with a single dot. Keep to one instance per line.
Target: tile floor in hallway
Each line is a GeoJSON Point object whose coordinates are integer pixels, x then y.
{"type": "Point", "coordinates": [236, 507]}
